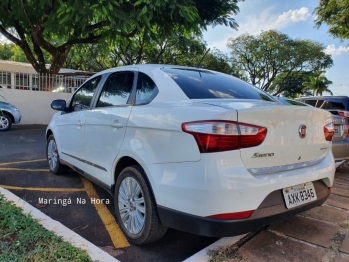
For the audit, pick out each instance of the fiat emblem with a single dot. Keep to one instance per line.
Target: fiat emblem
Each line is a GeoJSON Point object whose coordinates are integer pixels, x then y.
{"type": "Point", "coordinates": [302, 130]}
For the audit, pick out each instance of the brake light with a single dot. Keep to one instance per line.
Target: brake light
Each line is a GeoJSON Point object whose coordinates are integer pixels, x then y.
{"type": "Point", "coordinates": [233, 216]}
{"type": "Point", "coordinates": [329, 131]}
{"type": "Point", "coordinates": [217, 136]}
{"type": "Point", "coordinates": [343, 113]}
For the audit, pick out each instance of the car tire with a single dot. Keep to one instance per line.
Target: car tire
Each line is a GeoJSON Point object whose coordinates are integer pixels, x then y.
{"type": "Point", "coordinates": [53, 157]}
{"type": "Point", "coordinates": [5, 122]}
{"type": "Point", "coordinates": [135, 207]}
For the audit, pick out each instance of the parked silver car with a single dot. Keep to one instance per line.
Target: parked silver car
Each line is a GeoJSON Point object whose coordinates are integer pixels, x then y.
{"type": "Point", "coordinates": [340, 140]}
{"type": "Point", "coordinates": [9, 114]}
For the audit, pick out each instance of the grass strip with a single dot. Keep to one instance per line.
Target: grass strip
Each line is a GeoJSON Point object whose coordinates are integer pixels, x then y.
{"type": "Point", "coordinates": [23, 239]}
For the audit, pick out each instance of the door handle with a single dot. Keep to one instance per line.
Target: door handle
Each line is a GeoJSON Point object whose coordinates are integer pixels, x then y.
{"type": "Point", "coordinates": [116, 124]}
{"type": "Point", "coordinates": [80, 124]}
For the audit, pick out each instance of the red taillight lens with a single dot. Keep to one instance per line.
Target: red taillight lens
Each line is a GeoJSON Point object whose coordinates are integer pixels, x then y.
{"type": "Point", "coordinates": [217, 136]}
{"type": "Point", "coordinates": [329, 131]}
{"type": "Point", "coordinates": [233, 216]}
{"type": "Point", "coordinates": [343, 113]}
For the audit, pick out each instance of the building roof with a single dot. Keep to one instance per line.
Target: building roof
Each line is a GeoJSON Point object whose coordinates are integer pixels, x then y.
{"type": "Point", "coordinates": [14, 66]}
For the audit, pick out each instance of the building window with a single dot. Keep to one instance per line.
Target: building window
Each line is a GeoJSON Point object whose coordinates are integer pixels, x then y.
{"type": "Point", "coordinates": [5, 79]}
{"type": "Point", "coordinates": [21, 81]}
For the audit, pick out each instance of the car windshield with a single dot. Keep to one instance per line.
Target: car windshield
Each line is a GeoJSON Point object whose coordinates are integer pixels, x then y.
{"type": "Point", "coordinates": [204, 84]}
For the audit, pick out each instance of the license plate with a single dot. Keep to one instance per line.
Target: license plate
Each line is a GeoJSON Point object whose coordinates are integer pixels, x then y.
{"type": "Point", "coordinates": [299, 194]}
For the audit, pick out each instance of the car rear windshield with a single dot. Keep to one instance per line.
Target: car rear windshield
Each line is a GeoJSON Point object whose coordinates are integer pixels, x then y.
{"type": "Point", "coordinates": [334, 103]}
{"type": "Point", "coordinates": [204, 84]}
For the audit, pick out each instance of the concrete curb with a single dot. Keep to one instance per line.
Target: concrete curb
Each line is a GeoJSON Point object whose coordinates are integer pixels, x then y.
{"type": "Point", "coordinates": [60, 230]}
{"type": "Point", "coordinates": [202, 255]}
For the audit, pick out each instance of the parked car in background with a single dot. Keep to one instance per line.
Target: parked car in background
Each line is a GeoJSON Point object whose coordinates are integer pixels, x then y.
{"type": "Point", "coordinates": [9, 114]}
{"type": "Point", "coordinates": [192, 149]}
{"type": "Point", "coordinates": [339, 107]}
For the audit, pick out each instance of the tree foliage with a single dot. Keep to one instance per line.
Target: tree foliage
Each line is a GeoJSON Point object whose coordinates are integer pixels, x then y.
{"type": "Point", "coordinates": [6, 51]}
{"type": "Point", "coordinates": [175, 49]}
{"type": "Point", "coordinates": [274, 56]}
{"type": "Point", "coordinates": [292, 84]}
{"type": "Point", "coordinates": [218, 61]}
{"type": "Point", "coordinates": [318, 83]}
{"type": "Point", "coordinates": [334, 13]}
{"type": "Point", "coordinates": [56, 26]}
{"type": "Point", "coordinates": [12, 52]}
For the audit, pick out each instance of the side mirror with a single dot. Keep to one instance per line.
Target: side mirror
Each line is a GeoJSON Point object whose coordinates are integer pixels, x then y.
{"type": "Point", "coordinates": [58, 104]}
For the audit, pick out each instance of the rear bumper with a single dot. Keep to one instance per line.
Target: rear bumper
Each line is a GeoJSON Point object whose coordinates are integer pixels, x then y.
{"type": "Point", "coordinates": [340, 149]}
{"type": "Point", "coordinates": [272, 209]}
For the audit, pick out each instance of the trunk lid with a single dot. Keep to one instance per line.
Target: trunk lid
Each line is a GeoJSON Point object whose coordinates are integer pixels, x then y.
{"type": "Point", "coordinates": [283, 145]}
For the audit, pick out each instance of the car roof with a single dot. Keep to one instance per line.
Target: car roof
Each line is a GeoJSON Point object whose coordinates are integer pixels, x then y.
{"type": "Point", "coordinates": [149, 67]}
{"type": "Point", "coordinates": [319, 97]}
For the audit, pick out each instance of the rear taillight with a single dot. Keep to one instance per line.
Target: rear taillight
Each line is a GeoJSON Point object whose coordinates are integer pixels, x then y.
{"type": "Point", "coordinates": [217, 136]}
{"type": "Point", "coordinates": [343, 113]}
{"type": "Point", "coordinates": [233, 216]}
{"type": "Point", "coordinates": [329, 131]}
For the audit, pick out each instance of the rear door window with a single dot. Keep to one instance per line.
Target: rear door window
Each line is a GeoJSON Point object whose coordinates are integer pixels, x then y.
{"type": "Point", "coordinates": [204, 84]}
{"type": "Point", "coordinates": [116, 90]}
{"type": "Point", "coordinates": [146, 89]}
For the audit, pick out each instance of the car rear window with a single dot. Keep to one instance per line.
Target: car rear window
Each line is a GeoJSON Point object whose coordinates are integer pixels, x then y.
{"type": "Point", "coordinates": [329, 103]}
{"type": "Point", "coordinates": [204, 84]}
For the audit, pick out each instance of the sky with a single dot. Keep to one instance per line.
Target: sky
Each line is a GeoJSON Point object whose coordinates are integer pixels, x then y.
{"type": "Point", "coordinates": [294, 18]}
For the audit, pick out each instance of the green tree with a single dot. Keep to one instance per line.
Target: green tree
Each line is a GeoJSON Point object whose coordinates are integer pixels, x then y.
{"type": "Point", "coordinates": [13, 52]}
{"type": "Point", "coordinates": [264, 57]}
{"type": "Point", "coordinates": [292, 85]}
{"type": "Point", "coordinates": [176, 49]}
{"type": "Point", "coordinates": [218, 61]}
{"type": "Point", "coordinates": [5, 51]}
{"type": "Point", "coordinates": [90, 57]}
{"type": "Point", "coordinates": [144, 47]}
{"type": "Point", "coordinates": [318, 83]}
{"type": "Point", "coordinates": [18, 54]}
{"type": "Point", "coordinates": [334, 13]}
{"type": "Point", "coordinates": [56, 26]}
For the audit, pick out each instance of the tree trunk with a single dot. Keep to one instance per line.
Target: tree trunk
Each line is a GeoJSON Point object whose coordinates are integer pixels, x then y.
{"type": "Point", "coordinates": [58, 60]}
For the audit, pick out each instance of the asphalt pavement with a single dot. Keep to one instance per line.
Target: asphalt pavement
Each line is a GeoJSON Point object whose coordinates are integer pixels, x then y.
{"type": "Point", "coordinates": [320, 234]}
{"type": "Point", "coordinates": [68, 199]}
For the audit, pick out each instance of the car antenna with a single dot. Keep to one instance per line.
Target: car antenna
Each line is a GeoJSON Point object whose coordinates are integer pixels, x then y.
{"type": "Point", "coordinates": [202, 58]}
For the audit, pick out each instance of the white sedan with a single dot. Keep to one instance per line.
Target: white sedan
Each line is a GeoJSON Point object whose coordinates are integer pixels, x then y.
{"type": "Point", "coordinates": [192, 149]}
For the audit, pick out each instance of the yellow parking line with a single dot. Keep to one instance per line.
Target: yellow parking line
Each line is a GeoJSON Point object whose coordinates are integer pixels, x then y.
{"type": "Point", "coordinates": [44, 189]}
{"type": "Point", "coordinates": [22, 169]}
{"type": "Point", "coordinates": [20, 162]}
{"type": "Point", "coordinates": [117, 237]}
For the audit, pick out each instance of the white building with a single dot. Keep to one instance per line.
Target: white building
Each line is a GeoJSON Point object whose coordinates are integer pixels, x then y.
{"type": "Point", "coordinates": [22, 76]}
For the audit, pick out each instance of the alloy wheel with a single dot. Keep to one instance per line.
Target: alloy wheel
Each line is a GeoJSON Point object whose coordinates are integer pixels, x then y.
{"type": "Point", "coordinates": [131, 205]}
{"type": "Point", "coordinates": [52, 154]}
{"type": "Point", "coordinates": [4, 123]}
